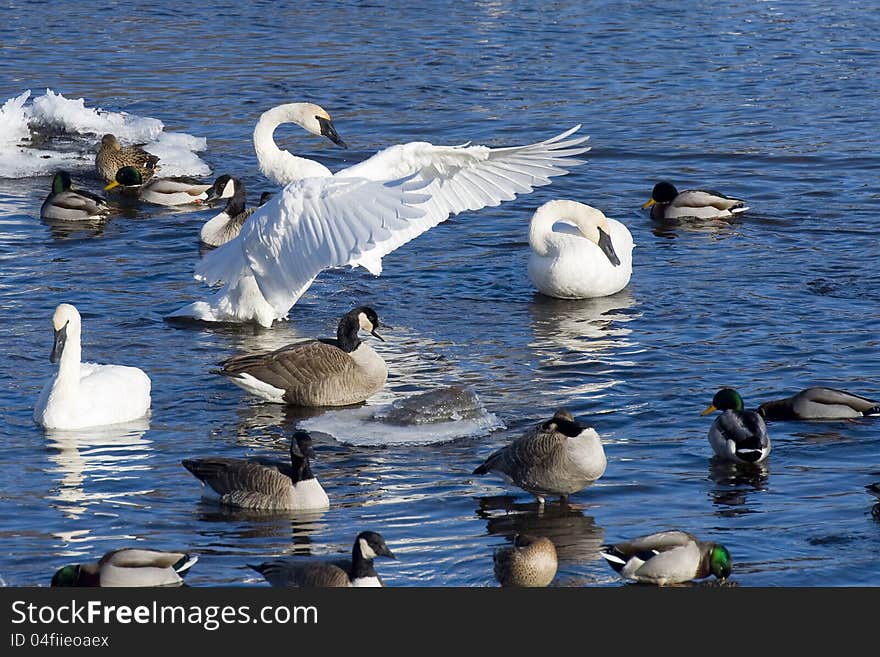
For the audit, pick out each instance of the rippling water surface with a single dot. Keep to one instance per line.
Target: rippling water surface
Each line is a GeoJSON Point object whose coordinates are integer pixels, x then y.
{"type": "Point", "coordinates": [772, 102]}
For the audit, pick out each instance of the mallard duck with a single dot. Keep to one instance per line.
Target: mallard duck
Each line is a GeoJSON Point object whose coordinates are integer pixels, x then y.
{"type": "Point", "coordinates": [584, 255]}
{"type": "Point", "coordinates": [128, 567]}
{"type": "Point", "coordinates": [65, 204]}
{"type": "Point", "coordinates": [314, 373]}
{"type": "Point", "coordinates": [557, 457]}
{"type": "Point", "coordinates": [227, 225]}
{"type": "Point", "coordinates": [819, 404]}
{"type": "Point", "coordinates": [530, 561]}
{"type": "Point", "coordinates": [669, 557]}
{"type": "Point", "coordinates": [112, 156]}
{"type": "Point", "coordinates": [737, 434]}
{"type": "Point", "coordinates": [311, 573]}
{"type": "Point", "coordinates": [667, 202]}
{"type": "Point", "coordinates": [86, 394]}
{"type": "Point", "coordinates": [178, 190]}
{"type": "Point", "coordinates": [263, 484]}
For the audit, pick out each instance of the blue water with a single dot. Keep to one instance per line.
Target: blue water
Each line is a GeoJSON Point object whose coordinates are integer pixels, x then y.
{"type": "Point", "coordinates": [772, 102]}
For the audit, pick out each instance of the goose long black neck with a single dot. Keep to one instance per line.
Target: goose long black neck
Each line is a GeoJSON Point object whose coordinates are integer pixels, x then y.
{"type": "Point", "coordinates": [347, 333]}
{"type": "Point", "coordinates": [235, 204]}
{"type": "Point", "coordinates": [301, 469]}
{"type": "Point", "coordinates": [360, 565]}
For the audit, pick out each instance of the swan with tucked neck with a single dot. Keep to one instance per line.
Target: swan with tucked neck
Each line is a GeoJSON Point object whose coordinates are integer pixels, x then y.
{"type": "Point", "coordinates": [357, 215]}
{"type": "Point", "coordinates": [281, 165]}
{"type": "Point", "coordinates": [578, 252]}
{"type": "Point", "coordinates": [86, 394]}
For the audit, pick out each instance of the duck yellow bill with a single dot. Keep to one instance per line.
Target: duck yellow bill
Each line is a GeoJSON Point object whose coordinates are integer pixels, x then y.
{"type": "Point", "coordinates": [649, 203]}
{"type": "Point", "coordinates": [711, 409]}
{"type": "Point", "coordinates": [111, 186]}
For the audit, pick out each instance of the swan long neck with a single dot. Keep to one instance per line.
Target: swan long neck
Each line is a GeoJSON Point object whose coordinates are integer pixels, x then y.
{"type": "Point", "coordinates": [541, 236]}
{"type": "Point", "coordinates": [281, 165]}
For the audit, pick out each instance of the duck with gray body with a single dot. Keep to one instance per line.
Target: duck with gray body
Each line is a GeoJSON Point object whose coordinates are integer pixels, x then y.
{"type": "Point", "coordinates": [737, 434]}
{"type": "Point", "coordinates": [128, 567]}
{"type": "Point", "coordinates": [667, 202]}
{"type": "Point", "coordinates": [65, 204]}
{"type": "Point", "coordinates": [263, 484]}
{"type": "Point", "coordinates": [557, 457]}
{"type": "Point", "coordinates": [112, 156]}
{"type": "Point", "coordinates": [316, 373]}
{"type": "Point", "coordinates": [311, 573]}
{"type": "Point", "coordinates": [819, 403]}
{"type": "Point", "coordinates": [176, 190]}
{"type": "Point", "coordinates": [530, 561]}
{"type": "Point", "coordinates": [669, 557]}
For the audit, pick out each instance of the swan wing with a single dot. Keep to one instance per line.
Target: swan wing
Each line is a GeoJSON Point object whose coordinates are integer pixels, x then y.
{"type": "Point", "coordinates": [460, 178]}
{"type": "Point", "coordinates": [313, 224]}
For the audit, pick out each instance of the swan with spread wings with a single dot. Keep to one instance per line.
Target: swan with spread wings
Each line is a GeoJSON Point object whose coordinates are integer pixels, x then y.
{"type": "Point", "coordinates": [357, 215]}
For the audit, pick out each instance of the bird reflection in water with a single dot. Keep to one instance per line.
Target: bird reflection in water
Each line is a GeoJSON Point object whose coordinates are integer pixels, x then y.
{"type": "Point", "coordinates": [91, 463]}
{"type": "Point", "coordinates": [734, 482]}
{"type": "Point", "coordinates": [718, 227]}
{"type": "Point", "coordinates": [576, 536]}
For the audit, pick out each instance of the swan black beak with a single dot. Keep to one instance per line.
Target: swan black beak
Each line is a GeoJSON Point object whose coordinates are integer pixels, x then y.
{"type": "Point", "coordinates": [328, 131]}
{"type": "Point", "coordinates": [58, 346]}
{"type": "Point", "coordinates": [607, 248]}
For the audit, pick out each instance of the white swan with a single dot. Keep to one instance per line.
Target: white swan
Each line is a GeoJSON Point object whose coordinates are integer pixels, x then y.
{"type": "Point", "coordinates": [359, 214]}
{"type": "Point", "coordinates": [85, 394]}
{"type": "Point", "coordinates": [578, 252]}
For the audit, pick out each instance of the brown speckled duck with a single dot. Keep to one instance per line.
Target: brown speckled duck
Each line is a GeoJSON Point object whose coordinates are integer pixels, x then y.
{"type": "Point", "coordinates": [112, 156]}
{"type": "Point", "coordinates": [530, 561]}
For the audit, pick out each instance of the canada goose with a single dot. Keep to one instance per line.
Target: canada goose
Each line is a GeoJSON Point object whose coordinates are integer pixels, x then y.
{"type": "Point", "coordinates": [530, 561]}
{"type": "Point", "coordinates": [263, 484]}
{"type": "Point", "coordinates": [669, 557]}
{"type": "Point", "coordinates": [358, 215]}
{"type": "Point", "coordinates": [667, 202]}
{"type": "Point", "coordinates": [310, 573]}
{"type": "Point", "coordinates": [128, 567]}
{"type": "Point", "coordinates": [819, 404]}
{"type": "Point", "coordinates": [87, 394]}
{"type": "Point", "coordinates": [65, 204]}
{"type": "Point", "coordinates": [587, 255]}
{"type": "Point", "coordinates": [226, 225]}
{"type": "Point", "coordinates": [112, 156]}
{"type": "Point", "coordinates": [178, 190]}
{"type": "Point", "coordinates": [557, 457]}
{"type": "Point", "coordinates": [313, 373]}
{"type": "Point", "coordinates": [874, 489]}
{"type": "Point", "coordinates": [737, 434]}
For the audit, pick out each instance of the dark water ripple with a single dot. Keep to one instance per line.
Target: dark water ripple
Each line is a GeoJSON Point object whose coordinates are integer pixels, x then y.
{"type": "Point", "coordinates": [773, 103]}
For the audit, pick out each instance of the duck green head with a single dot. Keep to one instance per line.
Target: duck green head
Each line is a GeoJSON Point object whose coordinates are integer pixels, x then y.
{"type": "Point", "coordinates": [663, 192]}
{"type": "Point", "coordinates": [720, 562]}
{"type": "Point", "coordinates": [127, 176]}
{"type": "Point", "coordinates": [724, 399]}
{"type": "Point", "coordinates": [67, 576]}
{"type": "Point", "coordinates": [61, 182]}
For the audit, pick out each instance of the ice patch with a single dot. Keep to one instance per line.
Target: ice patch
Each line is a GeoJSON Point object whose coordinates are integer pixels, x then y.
{"type": "Point", "coordinates": [415, 420]}
{"type": "Point", "coordinates": [54, 132]}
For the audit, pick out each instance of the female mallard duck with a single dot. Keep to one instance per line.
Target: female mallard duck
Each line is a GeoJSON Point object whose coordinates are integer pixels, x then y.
{"type": "Point", "coordinates": [65, 204]}
{"type": "Point", "coordinates": [263, 484]}
{"type": "Point", "coordinates": [530, 561]}
{"type": "Point", "coordinates": [227, 225]}
{"type": "Point", "coordinates": [87, 394]}
{"type": "Point", "coordinates": [311, 573]}
{"type": "Point", "coordinates": [112, 156]}
{"type": "Point", "coordinates": [819, 404]}
{"type": "Point", "coordinates": [667, 202]}
{"type": "Point", "coordinates": [557, 457]}
{"type": "Point", "coordinates": [737, 434]}
{"type": "Point", "coordinates": [178, 190]}
{"type": "Point", "coordinates": [585, 255]}
{"type": "Point", "coordinates": [314, 373]}
{"type": "Point", "coordinates": [669, 557]}
{"type": "Point", "coordinates": [128, 567]}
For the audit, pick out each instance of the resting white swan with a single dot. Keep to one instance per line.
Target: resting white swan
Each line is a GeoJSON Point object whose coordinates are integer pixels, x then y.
{"type": "Point", "coordinates": [85, 394]}
{"type": "Point", "coordinates": [577, 252]}
{"type": "Point", "coordinates": [359, 214]}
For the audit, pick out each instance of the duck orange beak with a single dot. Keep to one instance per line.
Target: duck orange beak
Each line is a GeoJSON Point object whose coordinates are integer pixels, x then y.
{"type": "Point", "coordinates": [111, 186]}
{"type": "Point", "coordinates": [711, 409]}
{"type": "Point", "coordinates": [648, 203]}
